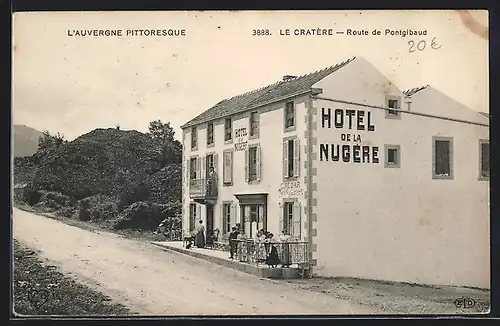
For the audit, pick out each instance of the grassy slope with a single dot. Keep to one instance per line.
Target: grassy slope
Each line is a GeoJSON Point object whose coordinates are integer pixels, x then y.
{"type": "Point", "coordinates": [64, 296]}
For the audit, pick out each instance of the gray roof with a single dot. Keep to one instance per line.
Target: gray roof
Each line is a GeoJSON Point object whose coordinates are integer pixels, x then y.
{"type": "Point", "coordinates": [413, 91]}
{"type": "Point", "coordinates": [264, 95]}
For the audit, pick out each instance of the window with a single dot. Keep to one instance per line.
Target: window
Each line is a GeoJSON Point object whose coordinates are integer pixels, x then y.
{"type": "Point", "coordinates": [393, 102]}
{"type": "Point", "coordinates": [252, 164]}
{"type": "Point", "coordinates": [289, 115]}
{"type": "Point", "coordinates": [209, 163]}
{"type": "Point", "coordinates": [254, 124]}
{"type": "Point", "coordinates": [228, 129]}
{"type": "Point", "coordinates": [484, 161]}
{"type": "Point", "coordinates": [210, 133]}
{"type": "Point", "coordinates": [254, 213]}
{"type": "Point", "coordinates": [288, 218]}
{"type": "Point", "coordinates": [193, 167]}
{"type": "Point", "coordinates": [290, 221]}
{"type": "Point", "coordinates": [192, 216]}
{"type": "Point", "coordinates": [392, 156]}
{"type": "Point", "coordinates": [227, 166]}
{"type": "Point", "coordinates": [291, 158]}
{"type": "Point", "coordinates": [226, 218]}
{"type": "Point", "coordinates": [194, 138]}
{"type": "Point", "coordinates": [442, 158]}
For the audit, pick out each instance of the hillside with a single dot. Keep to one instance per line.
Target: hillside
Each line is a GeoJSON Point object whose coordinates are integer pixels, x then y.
{"type": "Point", "coordinates": [25, 140]}
{"type": "Point", "coordinates": [118, 177]}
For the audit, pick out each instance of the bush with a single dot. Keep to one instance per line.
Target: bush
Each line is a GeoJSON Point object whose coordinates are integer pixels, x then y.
{"type": "Point", "coordinates": [145, 216]}
{"type": "Point", "coordinates": [67, 212]}
{"type": "Point", "coordinates": [31, 197]}
{"type": "Point", "coordinates": [133, 194]}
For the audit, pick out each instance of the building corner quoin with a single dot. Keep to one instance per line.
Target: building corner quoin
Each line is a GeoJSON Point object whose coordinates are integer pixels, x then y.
{"type": "Point", "coordinates": [311, 188]}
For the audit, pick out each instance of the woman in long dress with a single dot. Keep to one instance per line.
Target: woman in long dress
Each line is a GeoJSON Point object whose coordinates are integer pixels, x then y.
{"type": "Point", "coordinates": [199, 239]}
{"type": "Point", "coordinates": [284, 238]}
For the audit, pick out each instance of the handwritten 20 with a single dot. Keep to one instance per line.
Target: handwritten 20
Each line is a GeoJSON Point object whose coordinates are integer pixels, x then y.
{"type": "Point", "coordinates": [422, 45]}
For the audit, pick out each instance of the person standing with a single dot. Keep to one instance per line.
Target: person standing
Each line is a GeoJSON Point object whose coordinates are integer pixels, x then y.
{"type": "Point", "coordinates": [233, 241]}
{"type": "Point", "coordinates": [284, 239]}
{"type": "Point", "coordinates": [211, 182]}
{"type": "Point", "coordinates": [199, 239]}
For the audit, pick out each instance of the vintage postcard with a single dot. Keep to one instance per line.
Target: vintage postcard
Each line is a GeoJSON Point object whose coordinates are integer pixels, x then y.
{"type": "Point", "coordinates": [270, 163]}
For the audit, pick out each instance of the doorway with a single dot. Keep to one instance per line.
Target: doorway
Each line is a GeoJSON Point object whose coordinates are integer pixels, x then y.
{"type": "Point", "coordinates": [210, 218]}
{"type": "Point", "coordinates": [253, 219]}
{"type": "Point", "coordinates": [253, 212]}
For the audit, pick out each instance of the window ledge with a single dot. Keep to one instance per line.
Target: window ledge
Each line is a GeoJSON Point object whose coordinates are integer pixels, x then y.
{"type": "Point", "coordinates": [391, 116]}
{"type": "Point", "coordinates": [229, 141]}
{"type": "Point", "coordinates": [256, 136]}
{"type": "Point", "coordinates": [286, 179]}
{"type": "Point", "coordinates": [227, 184]}
{"type": "Point", "coordinates": [252, 182]}
{"type": "Point", "coordinates": [210, 145]}
{"type": "Point", "coordinates": [292, 128]}
{"type": "Point", "coordinates": [483, 179]}
{"type": "Point", "coordinates": [392, 165]}
{"type": "Point", "coordinates": [442, 177]}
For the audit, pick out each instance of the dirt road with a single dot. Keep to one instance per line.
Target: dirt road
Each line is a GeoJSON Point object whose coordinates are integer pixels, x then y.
{"type": "Point", "coordinates": [151, 281]}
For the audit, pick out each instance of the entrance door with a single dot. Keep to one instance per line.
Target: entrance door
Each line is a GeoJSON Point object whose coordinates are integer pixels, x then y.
{"type": "Point", "coordinates": [253, 217]}
{"type": "Point", "coordinates": [210, 218]}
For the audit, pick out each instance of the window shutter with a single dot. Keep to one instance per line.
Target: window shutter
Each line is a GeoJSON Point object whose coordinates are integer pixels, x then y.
{"type": "Point", "coordinates": [257, 124]}
{"type": "Point", "coordinates": [258, 164]}
{"type": "Point", "coordinates": [197, 166]}
{"type": "Point", "coordinates": [247, 171]}
{"type": "Point", "coordinates": [232, 216]}
{"type": "Point", "coordinates": [296, 157]}
{"type": "Point", "coordinates": [296, 220]}
{"type": "Point", "coordinates": [198, 214]}
{"type": "Point", "coordinates": [223, 219]}
{"type": "Point", "coordinates": [188, 176]}
{"type": "Point", "coordinates": [282, 217]}
{"type": "Point", "coordinates": [231, 162]}
{"type": "Point", "coordinates": [225, 167]}
{"type": "Point", "coordinates": [203, 167]}
{"type": "Point", "coordinates": [285, 159]}
{"type": "Point", "coordinates": [216, 163]}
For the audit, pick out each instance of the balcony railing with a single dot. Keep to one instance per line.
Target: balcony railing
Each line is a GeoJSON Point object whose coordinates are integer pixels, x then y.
{"type": "Point", "coordinates": [203, 188]}
{"type": "Point", "coordinates": [290, 254]}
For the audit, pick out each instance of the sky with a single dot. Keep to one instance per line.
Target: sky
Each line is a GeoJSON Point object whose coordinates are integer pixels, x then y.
{"type": "Point", "coordinates": [72, 84]}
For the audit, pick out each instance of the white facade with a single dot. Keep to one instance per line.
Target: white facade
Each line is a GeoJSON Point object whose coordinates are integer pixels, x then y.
{"type": "Point", "coordinates": [270, 181]}
{"type": "Point", "coordinates": [397, 220]}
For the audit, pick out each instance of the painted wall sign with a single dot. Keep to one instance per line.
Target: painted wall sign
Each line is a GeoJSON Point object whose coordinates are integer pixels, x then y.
{"type": "Point", "coordinates": [240, 139]}
{"type": "Point", "coordinates": [290, 189]}
{"type": "Point", "coordinates": [348, 153]}
{"type": "Point", "coordinates": [353, 119]}
{"type": "Point", "coordinates": [241, 146]}
{"type": "Point", "coordinates": [240, 132]}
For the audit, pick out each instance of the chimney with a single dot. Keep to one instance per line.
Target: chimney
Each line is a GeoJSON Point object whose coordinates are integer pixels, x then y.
{"type": "Point", "coordinates": [288, 77]}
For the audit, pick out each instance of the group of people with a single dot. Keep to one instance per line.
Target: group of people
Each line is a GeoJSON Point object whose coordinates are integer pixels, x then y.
{"type": "Point", "coordinates": [264, 240]}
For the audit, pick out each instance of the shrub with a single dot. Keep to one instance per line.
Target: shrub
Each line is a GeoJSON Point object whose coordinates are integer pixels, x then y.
{"type": "Point", "coordinates": [31, 197]}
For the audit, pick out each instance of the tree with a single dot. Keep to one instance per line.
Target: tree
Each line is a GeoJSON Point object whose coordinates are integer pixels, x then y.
{"type": "Point", "coordinates": [169, 148]}
{"type": "Point", "coordinates": [48, 141]}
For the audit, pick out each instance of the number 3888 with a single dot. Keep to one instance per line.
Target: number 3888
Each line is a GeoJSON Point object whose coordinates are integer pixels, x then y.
{"type": "Point", "coordinates": [260, 32]}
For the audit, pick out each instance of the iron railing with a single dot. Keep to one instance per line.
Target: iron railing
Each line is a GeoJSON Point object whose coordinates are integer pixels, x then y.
{"type": "Point", "coordinates": [204, 188]}
{"type": "Point", "coordinates": [290, 253]}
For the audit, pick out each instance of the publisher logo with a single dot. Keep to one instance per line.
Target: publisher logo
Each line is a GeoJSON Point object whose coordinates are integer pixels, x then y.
{"type": "Point", "coordinates": [464, 303]}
